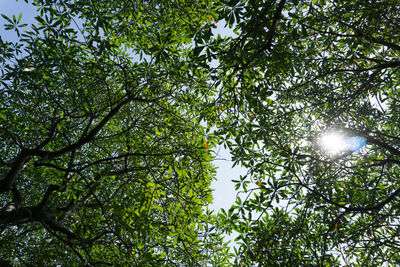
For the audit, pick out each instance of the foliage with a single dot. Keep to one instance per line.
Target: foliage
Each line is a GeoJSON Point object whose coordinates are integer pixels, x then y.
{"type": "Point", "coordinates": [298, 69]}
{"type": "Point", "coordinates": [102, 153]}
{"type": "Point", "coordinates": [105, 107]}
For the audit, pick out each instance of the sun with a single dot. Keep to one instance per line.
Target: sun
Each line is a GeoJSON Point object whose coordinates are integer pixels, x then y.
{"type": "Point", "coordinates": [333, 143]}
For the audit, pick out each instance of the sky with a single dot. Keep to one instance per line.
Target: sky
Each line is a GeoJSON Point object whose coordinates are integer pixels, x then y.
{"type": "Point", "coordinates": [11, 7]}
{"type": "Point", "coordinates": [224, 193]}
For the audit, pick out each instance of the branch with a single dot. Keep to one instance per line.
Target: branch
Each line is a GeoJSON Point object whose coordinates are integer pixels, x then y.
{"type": "Point", "coordinates": [359, 34]}
{"type": "Point", "coordinates": [260, 18]}
{"type": "Point", "coordinates": [376, 207]}
{"type": "Point", "coordinates": [328, 200]}
{"type": "Point", "coordinates": [365, 209]}
{"type": "Point", "coordinates": [384, 162]}
{"type": "Point", "coordinates": [271, 32]}
{"type": "Point", "coordinates": [22, 215]}
{"type": "Point", "coordinates": [381, 144]}
{"type": "Point", "coordinates": [376, 69]}
{"type": "Point", "coordinates": [18, 165]}
{"type": "Point", "coordinates": [372, 140]}
{"type": "Point", "coordinates": [53, 224]}
{"type": "Point", "coordinates": [48, 193]}
{"type": "Point", "coordinates": [126, 155]}
{"type": "Point", "coordinates": [17, 198]}
{"type": "Point", "coordinates": [84, 139]}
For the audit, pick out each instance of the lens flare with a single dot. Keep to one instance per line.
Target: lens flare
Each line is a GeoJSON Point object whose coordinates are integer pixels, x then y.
{"type": "Point", "coordinates": [333, 143]}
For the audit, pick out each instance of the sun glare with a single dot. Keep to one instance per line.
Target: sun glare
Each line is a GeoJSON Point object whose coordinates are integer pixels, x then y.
{"type": "Point", "coordinates": [333, 143]}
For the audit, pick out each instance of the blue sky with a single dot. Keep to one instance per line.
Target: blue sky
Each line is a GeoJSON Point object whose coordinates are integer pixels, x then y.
{"type": "Point", "coordinates": [11, 7]}
{"type": "Point", "coordinates": [224, 194]}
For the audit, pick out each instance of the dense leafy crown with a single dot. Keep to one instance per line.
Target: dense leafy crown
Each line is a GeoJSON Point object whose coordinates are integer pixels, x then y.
{"type": "Point", "coordinates": [102, 155]}
{"type": "Point", "coordinates": [104, 109]}
{"type": "Point", "coordinates": [299, 69]}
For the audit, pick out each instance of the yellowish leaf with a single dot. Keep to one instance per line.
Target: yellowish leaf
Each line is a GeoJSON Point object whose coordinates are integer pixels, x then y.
{"type": "Point", "coordinates": [260, 183]}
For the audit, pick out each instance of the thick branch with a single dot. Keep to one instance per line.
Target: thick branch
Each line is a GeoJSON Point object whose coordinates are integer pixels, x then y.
{"type": "Point", "coordinates": [374, 141]}
{"type": "Point", "coordinates": [25, 154]}
{"type": "Point", "coordinates": [18, 165]}
{"type": "Point", "coordinates": [22, 215]}
{"type": "Point", "coordinates": [16, 198]}
{"type": "Point", "coordinates": [377, 206]}
{"type": "Point", "coordinates": [381, 144]}
{"type": "Point", "coordinates": [48, 193]}
{"type": "Point", "coordinates": [276, 17]}
{"type": "Point", "coordinates": [84, 139]}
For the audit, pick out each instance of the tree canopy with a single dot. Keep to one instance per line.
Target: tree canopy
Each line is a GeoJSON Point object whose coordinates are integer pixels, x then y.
{"type": "Point", "coordinates": [102, 151]}
{"type": "Point", "coordinates": [111, 112]}
{"type": "Point", "coordinates": [299, 69]}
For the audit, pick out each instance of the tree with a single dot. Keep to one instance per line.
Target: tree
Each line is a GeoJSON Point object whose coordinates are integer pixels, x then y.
{"type": "Point", "coordinates": [103, 159]}
{"type": "Point", "coordinates": [105, 107]}
{"type": "Point", "coordinates": [296, 70]}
